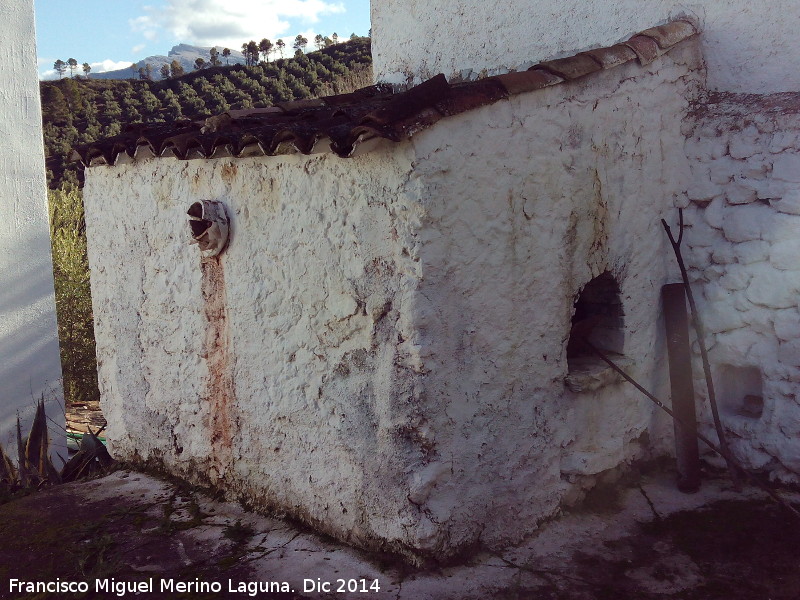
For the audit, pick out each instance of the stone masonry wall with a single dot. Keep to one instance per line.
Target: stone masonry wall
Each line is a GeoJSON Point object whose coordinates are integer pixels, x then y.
{"type": "Point", "coordinates": [744, 241]}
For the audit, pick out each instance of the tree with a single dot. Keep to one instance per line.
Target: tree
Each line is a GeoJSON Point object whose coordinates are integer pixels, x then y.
{"type": "Point", "coordinates": [146, 72]}
{"type": "Point", "coordinates": [73, 295]}
{"type": "Point", "coordinates": [214, 60]}
{"type": "Point", "coordinates": [61, 67]}
{"type": "Point", "coordinates": [300, 43]}
{"type": "Point", "coordinates": [265, 47]}
{"type": "Point", "coordinates": [252, 52]}
{"type": "Point", "coordinates": [335, 38]}
{"type": "Point", "coordinates": [165, 71]}
{"type": "Point", "coordinates": [280, 45]}
{"type": "Point", "coordinates": [73, 64]}
{"type": "Point", "coordinates": [353, 36]}
{"type": "Point", "coordinates": [175, 68]}
{"type": "Point", "coordinates": [133, 69]}
{"type": "Point", "coordinates": [319, 41]}
{"type": "Point", "coordinates": [199, 63]}
{"type": "Point", "coordinates": [226, 52]}
{"type": "Point", "coordinates": [72, 93]}
{"type": "Point", "coordinates": [86, 68]}
{"type": "Point", "coordinates": [149, 102]}
{"type": "Point", "coordinates": [54, 104]}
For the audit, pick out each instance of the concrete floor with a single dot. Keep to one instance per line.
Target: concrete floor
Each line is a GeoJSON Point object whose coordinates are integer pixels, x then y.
{"type": "Point", "coordinates": [644, 541]}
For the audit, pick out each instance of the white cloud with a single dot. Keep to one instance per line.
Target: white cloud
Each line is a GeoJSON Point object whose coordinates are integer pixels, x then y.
{"type": "Point", "coordinates": [138, 48]}
{"type": "Point", "coordinates": [209, 23]}
{"type": "Point", "coordinates": [109, 65]}
{"type": "Point", "coordinates": [97, 67]}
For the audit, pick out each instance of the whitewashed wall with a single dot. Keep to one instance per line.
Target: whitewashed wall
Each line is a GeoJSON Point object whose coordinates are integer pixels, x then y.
{"type": "Point", "coordinates": [284, 384]}
{"type": "Point", "coordinates": [381, 350]}
{"type": "Point", "coordinates": [29, 359]}
{"type": "Point", "coordinates": [745, 258]}
{"type": "Point", "coordinates": [526, 201]}
{"type": "Point", "coordinates": [747, 45]}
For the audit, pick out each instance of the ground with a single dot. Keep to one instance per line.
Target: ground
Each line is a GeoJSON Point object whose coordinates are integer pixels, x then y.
{"type": "Point", "coordinates": [641, 541]}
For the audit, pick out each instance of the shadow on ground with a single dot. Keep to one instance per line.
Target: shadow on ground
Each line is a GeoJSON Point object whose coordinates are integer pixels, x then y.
{"type": "Point", "coordinates": [655, 544]}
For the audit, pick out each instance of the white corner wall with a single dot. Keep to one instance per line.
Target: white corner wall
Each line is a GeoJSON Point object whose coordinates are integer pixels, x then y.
{"type": "Point", "coordinates": [747, 45]}
{"type": "Point", "coordinates": [30, 366]}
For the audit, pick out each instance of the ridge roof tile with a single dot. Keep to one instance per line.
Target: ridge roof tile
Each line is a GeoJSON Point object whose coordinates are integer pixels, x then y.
{"type": "Point", "coordinates": [370, 112]}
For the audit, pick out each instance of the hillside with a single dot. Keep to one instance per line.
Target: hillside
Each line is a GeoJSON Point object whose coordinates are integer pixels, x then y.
{"type": "Point", "coordinates": [79, 111]}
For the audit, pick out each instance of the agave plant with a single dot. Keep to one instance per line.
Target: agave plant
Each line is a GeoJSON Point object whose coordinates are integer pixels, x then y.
{"type": "Point", "coordinates": [92, 457]}
{"type": "Point", "coordinates": [34, 468]}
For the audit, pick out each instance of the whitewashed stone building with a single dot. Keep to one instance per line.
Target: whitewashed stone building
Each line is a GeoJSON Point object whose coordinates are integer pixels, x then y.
{"type": "Point", "coordinates": [382, 347]}
{"type": "Point", "coordinates": [30, 366]}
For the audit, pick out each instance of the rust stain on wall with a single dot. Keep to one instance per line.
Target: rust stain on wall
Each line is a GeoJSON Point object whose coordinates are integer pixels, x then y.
{"type": "Point", "coordinates": [220, 389]}
{"type": "Point", "coordinates": [229, 172]}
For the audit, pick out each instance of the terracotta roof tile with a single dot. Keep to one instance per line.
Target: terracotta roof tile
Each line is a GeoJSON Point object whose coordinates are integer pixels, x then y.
{"type": "Point", "coordinates": [371, 112]}
{"type": "Point", "coordinates": [670, 34]}
{"type": "Point", "coordinates": [571, 67]}
{"type": "Point", "coordinates": [527, 81]}
{"type": "Point", "coordinates": [467, 96]}
{"type": "Point", "coordinates": [646, 48]}
{"type": "Point", "coordinates": [612, 56]}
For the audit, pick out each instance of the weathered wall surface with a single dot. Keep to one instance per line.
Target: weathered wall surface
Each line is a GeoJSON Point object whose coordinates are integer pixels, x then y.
{"type": "Point", "coordinates": [556, 188]}
{"type": "Point", "coordinates": [273, 372]}
{"type": "Point", "coordinates": [746, 44]}
{"type": "Point", "coordinates": [29, 359]}
{"type": "Point", "coordinates": [381, 349]}
{"type": "Point", "coordinates": [745, 257]}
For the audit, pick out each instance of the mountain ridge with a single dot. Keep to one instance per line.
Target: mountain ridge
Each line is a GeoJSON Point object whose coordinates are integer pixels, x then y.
{"type": "Point", "coordinates": [185, 54]}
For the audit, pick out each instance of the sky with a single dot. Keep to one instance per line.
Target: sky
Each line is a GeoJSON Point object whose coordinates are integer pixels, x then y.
{"type": "Point", "coordinates": [112, 34]}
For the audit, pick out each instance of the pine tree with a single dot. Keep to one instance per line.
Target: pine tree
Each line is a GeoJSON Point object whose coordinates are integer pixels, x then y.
{"type": "Point", "coordinates": [214, 60]}
{"type": "Point", "coordinates": [175, 68]}
{"type": "Point", "coordinates": [252, 51]}
{"type": "Point", "coordinates": [265, 47]}
{"type": "Point", "coordinates": [61, 67]}
{"type": "Point", "coordinates": [300, 43]}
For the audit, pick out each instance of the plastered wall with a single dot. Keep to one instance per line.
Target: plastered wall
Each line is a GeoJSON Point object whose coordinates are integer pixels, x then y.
{"type": "Point", "coordinates": [273, 372]}
{"type": "Point", "coordinates": [381, 350]}
{"type": "Point", "coordinates": [747, 45]}
{"type": "Point", "coordinates": [29, 358]}
{"type": "Point", "coordinates": [558, 187]}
